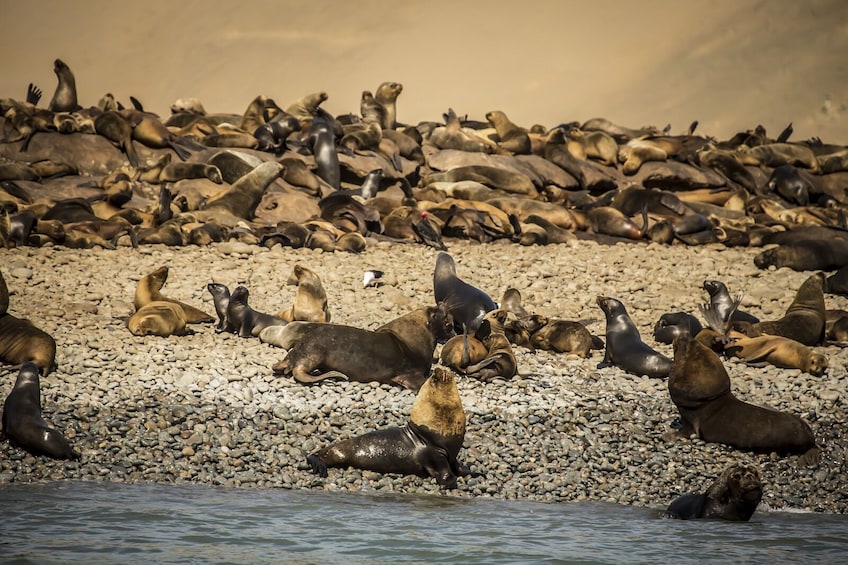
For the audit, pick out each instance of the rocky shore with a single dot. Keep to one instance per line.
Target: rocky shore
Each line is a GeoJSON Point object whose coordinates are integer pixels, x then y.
{"type": "Point", "coordinates": [205, 408]}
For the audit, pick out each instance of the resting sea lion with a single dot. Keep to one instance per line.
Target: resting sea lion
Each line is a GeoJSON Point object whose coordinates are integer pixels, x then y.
{"type": "Point", "coordinates": [467, 304]}
{"type": "Point", "coordinates": [427, 446]}
{"type": "Point", "coordinates": [804, 320]}
{"type": "Point", "coordinates": [23, 423]}
{"type": "Point", "coordinates": [460, 351]}
{"type": "Point", "coordinates": [699, 386]}
{"type": "Point", "coordinates": [21, 341]}
{"type": "Point", "coordinates": [244, 320]}
{"type": "Point", "coordinates": [734, 496]}
{"type": "Point", "coordinates": [500, 360]}
{"type": "Point", "coordinates": [670, 325]}
{"type": "Point", "coordinates": [310, 300]}
{"type": "Point", "coordinates": [158, 318]}
{"type": "Point", "coordinates": [778, 351]}
{"type": "Point", "coordinates": [399, 352]}
{"type": "Point", "coordinates": [624, 345]}
{"type": "Point", "coordinates": [564, 336]}
{"type": "Point", "coordinates": [149, 289]}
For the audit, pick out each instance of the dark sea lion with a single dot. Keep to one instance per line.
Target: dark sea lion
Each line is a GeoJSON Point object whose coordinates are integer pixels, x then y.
{"type": "Point", "coordinates": [699, 386]}
{"type": "Point", "coordinates": [117, 129]}
{"type": "Point", "coordinates": [21, 341]}
{"type": "Point", "coordinates": [837, 283]}
{"type": "Point", "coordinates": [65, 97]}
{"type": "Point", "coordinates": [221, 298]}
{"type": "Point", "coordinates": [322, 142]}
{"type": "Point", "coordinates": [564, 336]}
{"type": "Point", "coordinates": [671, 324]}
{"type": "Point", "coordinates": [399, 352]}
{"type": "Point", "coordinates": [467, 304]}
{"type": "Point", "coordinates": [149, 289]}
{"type": "Point", "coordinates": [500, 360]}
{"type": "Point", "coordinates": [723, 303]}
{"type": "Point", "coordinates": [788, 182]}
{"type": "Point", "coordinates": [427, 446]}
{"type": "Point", "coordinates": [733, 496]}
{"type": "Point", "coordinates": [272, 135]}
{"type": "Point", "coordinates": [624, 345]}
{"type": "Point", "coordinates": [246, 321]}
{"type": "Point", "coordinates": [149, 131]}
{"type": "Point", "coordinates": [158, 318]}
{"type": "Point", "coordinates": [23, 423]}
{"type": "Point", "coordinates": [804, 320]}
{"type": "Point", "coordinates": [778, 351]}
{"type": "Point", "coordinates": [310, 300]}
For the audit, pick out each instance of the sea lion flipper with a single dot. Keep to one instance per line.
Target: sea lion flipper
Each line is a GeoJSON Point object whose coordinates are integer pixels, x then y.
{"type": "Point", "coordinates": [302, 376]}
{"type": "Point", "coordinates": [318, 466]}
{"type": "Point", "coordinates": [33, 94]}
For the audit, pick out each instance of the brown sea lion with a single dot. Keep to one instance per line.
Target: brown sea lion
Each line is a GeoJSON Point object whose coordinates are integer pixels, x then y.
{"type": "Point", "coordinates": [804, 320]}
{"type": "Point", "coordinates": [733, 496]}
{"type": "Point", "coordinates": [386, 95]}
{"type": "Point", "coordinates": [500, 360]}
{"type": "Point", "coordinates": [399, 352]}
{"type": "Point", "coordinates": [460, 351]}
{"type": "Point", "coordinates": [158, 318]}
{"type": "Point", "coordinates": [21, 341]}
{"type": "Point", "coordinates": [23, 423]}
{"type": "Point", "coordinates": [427, 446]}
{"type": "Point", "coordinates": [241, 199]}
{"type": "Point", "coordinates": [304, 108]}
{"type": "Point", "coordinates": [511, 137]}
{"type": "Point", "coordinates": [149, 289]}
{"type": "Point", "coordinates": [117, 129]}
{"type": "Point", "coordinates": [778, 351]}
{"type": "Point", "coordinates": [699, 386]}
{"type": "Point", "coordinates": [564, 336]}
{"type": "Point", "coordinates": [310, 300]}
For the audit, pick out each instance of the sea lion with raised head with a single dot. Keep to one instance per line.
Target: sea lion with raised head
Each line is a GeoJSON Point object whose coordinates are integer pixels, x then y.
{"type": "Point", "coordinates": [804, 320]}
{"type": "Point", "coordinates": [65, 96]}
{"type": "Point", "coordinates": [467, 304]}
{"type": "Point", "coordinates": [699, 387]}
{"type": "Point", "coordinates": [149, 289]}
{"type": "Point", "coordinates": [399, 352]}
{"type": "Point", "coordinates": [23, 423]}
{"type": "Point", "coordinates": [624, 345]}
{"type": "Point", "coordinates": [246, 321]}
{"type": "Point", "coordinates": [724, 305]}
{"type": "Point", "coordinates": [221, 299]}
{"type": "Point", "coordinates": [733, 496]}
{"type": "Point", "coordinates": [310, 300]}
{"type": "Point", "coordinates": [427, 446]}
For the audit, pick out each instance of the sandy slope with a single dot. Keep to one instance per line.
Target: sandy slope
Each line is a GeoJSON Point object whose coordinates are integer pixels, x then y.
{"type": "Point", "coordinates": [730, 64]}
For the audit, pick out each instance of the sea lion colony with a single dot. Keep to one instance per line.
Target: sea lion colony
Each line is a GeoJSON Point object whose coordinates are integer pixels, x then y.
{"type": "Point", "coordinates": [300, 177]}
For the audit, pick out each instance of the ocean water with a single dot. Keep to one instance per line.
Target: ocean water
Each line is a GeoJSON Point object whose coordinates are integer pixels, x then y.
{"type": "Point", "coordinates": [85, 522]}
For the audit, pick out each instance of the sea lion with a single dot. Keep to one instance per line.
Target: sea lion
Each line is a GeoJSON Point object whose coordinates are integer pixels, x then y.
{"type": "Point", "coordinates": [733, 496]}
{"type": "Point", "coordinates": [21, 341]}
{"type": "Point", "coordinates": [724, 305]}
{"type": "Point", "coordinates": [837, 283]}
{"type": "Point", "coordinates": [427, 446]}
{"type": "Point", "coordinates": [23, 423]}
{"type": "Point", "coordinates": [322, 142]}
{"type": "Point", "coordinates": [699, 386]}
{"type": "Point", "coordinates": [564, 336]}
{"type": "Point", "coordinates": [117, 129]}
{"type": "Point", "coordinates": [399, 352]}
{"type": "Point", "coordinates": [671, 324]}
{"type": "Point", "coordinates": [65, 96]}
{"type": "Point", "coordinates": [149, 289]}
{"type": "Point", "coordinates": [460, 351]}
{"type": "Point", "coordinates": [778, 351]}
{"type": "Point", "coordinates": [804, 320]}
{"type": "Point", "coordinates": [386, 95]}
{"type": "Point", "coordinates": [500, 360]}
{"type": "Point", "coordinates": [624, 345]}
{"type": "Point", "coordinates": [467, 304]}
{"type": "Point", "coordinates": [788, 182]}
{"type": "Point", "coordinates": [243, 319]}
{"type": "Point", "coordinates": [149, 131]}
{"type": "Point", "coordinates": [310, 300]}
{"type": "Point", "coordinates": [511, 137]}
{"type": "Point", "coordinates": [607, 220]}
{"type": "Point", "coordinates": [221, 298]}
{"type": "Point", "coordinates": [305, 107]}
{"type": "Point", "coordinates": [173, 172]}
{"type": "Point", "coordinates": [158, 318]}
{"type": "Point", "coordinates": [244, 195]}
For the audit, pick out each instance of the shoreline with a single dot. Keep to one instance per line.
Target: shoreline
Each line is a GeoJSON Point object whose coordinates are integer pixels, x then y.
{"type": "Point", "coordinates": [205, 408]}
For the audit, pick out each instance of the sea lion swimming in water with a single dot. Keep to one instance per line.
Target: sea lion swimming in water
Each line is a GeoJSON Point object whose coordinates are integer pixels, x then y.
{"type": "Point", "coordinates": [734, 496]}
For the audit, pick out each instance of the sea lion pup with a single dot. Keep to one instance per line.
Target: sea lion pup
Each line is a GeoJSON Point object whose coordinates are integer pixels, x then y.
{"type": "Point", "coordinates": [221, 298]}
{"type": "Point", "coordinates": [427, 446]}
{"type": "Point", "coordinates": [699, 386]}
{"type": "Point", "coordinates": [21, 341]}
{"type": "Point", "coordinates": [511, 137]}
{"type": "Point", "coordinates": [724, 305]}
{"type": "Point", "coordinates": [310, 300]}
{"type": "Point", "coordinates": [23, 423]}
{"type": "Point", "coordinates": [149, 289]}
{"type": "Point", "coordinates": [624, 345]}
{"type": "Point", "coordinates": [564, 336]}
{"type": "Point", "coordinates": [733, 496]}
{"type": "Point", "coordinates": [467, 304]}
{"type": "Point", "coordinates": [158, 318]}
{"type": "Point", "coordinates": [386, 95]}
{"type": "Point", "coordinates": [246, 321]}
{"type": "Point", "coordinates": [500, 360]}
{"type": "Point", "coordinates": [65, 97]}
{"type": "Point", "coordinates": [671, 324]}
{"type": "Point", "coordinates": [461, 351]}
{"type": "Point", "coordinates": [803, 321]}
{"type": "Point", "coordinates": [399, 352]}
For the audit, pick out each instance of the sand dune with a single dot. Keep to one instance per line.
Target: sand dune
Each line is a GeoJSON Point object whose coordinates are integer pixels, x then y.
{"type": "Point", "coordinates": [729, 64]}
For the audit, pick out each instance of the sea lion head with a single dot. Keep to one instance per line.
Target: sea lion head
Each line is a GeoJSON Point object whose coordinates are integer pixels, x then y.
{"type": "Point", "coordinates": [440, 322]}
{"type": "Point", "coordinates": [611, 307]}
{"type": "Point", "coordinates": [739, 483]}
{"type": "Point", "coordinates": [437, 409]}
{"type": "Point", "coordinates": [218, 290]}
{"type": "Point", "coordinates": [817, 364]}
{"type": "Point", "coordinates": [239, 295]}
{"type": "Point", "coordinates": [714, 287]}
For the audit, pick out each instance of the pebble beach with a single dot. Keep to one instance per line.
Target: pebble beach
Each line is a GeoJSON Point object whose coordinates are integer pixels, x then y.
{"type": "Point", "coordinates": [206, 408]}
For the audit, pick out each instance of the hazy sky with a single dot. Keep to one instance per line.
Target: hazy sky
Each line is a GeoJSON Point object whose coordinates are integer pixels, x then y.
{"type": "Point", "coordinates": [730, 64]}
